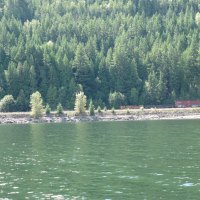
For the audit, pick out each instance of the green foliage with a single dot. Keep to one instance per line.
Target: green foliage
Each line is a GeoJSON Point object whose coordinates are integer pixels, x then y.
{"type": "Point", "coordinates": [7, 104]}
{"type": "Point", "coordinates": [142, 109]}
{"type": "Point", "coordinates": [59, 109]}
{"type": "Point", "coordinates": [113, 110]}
{"type": "Point", "coordinates": [99, 109]}
{"type": "Point", "coordinates": [36, 104]}
{"type": "Point", "coordinates": [128, 112]}
{"type": "Point", "coordinates": [52, 97]}
{"type": "Point", "coordinates": [80, 103]}
{"type": "Point", "coordinates": [134, 96]}
{"type": "Point", "coordinates": [116, 99]}
{"type": "Point", "coordinates": [47, 109]}
{"type": "Point", "coordinates": [197, 18]}
{"type": "Point", "coordinates": [151, 89]}
{"type": "Point", "coordinates": [2, 93]}
{"type": "Point", "coordinates": [91, 108]}
{"type": "Point", "coordinates": [146, 50]}
{"type": "Point", "coordinates": [22, 102]}
{"type": "Point", "coordinates": [82, 69]}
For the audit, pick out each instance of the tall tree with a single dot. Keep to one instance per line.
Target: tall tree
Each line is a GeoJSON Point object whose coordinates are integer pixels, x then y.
{"type": "Point", "coordinates": [83, 71]}
{"type": "Point", "coordinates": [36, 104]}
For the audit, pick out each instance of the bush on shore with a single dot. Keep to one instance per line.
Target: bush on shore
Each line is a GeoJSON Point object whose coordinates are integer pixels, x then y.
{"type": "Point", "coordinates": [47, 109]}
{"type": "Point", "coordinates": [7, 104]}
{"type": "Point", "coordinates": [80, 103]}
{"type": "Point", "coordinates": [91, 108]}
{"type": "Point", "coordinates": [36, 104]}
{"type": "Point", "coordinates": [59, 109]}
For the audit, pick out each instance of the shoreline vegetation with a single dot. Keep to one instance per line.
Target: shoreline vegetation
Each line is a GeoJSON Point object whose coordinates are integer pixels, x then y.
{"type": "Point", "coordinates": [108, 115]}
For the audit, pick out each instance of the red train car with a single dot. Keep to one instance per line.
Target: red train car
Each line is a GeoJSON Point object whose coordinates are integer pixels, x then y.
{"type": "Point", "coordinates": [187, 104]}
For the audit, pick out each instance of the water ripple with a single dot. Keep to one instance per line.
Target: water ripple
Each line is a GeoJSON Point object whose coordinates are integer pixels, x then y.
{"type": "Point", "coordinates": [129, 177]}
{"type": "Point", "coordinates": [187, 185]}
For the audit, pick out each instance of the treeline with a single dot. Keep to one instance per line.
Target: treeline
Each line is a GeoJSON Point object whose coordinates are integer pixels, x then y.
{"type": "Point", "coordinates": [147, 52]}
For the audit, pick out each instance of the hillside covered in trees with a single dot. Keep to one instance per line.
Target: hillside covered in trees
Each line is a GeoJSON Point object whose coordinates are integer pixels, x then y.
{"type": "Point", "coordinates": [147, 51]}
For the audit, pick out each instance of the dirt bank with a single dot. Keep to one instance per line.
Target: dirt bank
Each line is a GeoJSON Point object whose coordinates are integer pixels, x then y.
{"type": "Point", "coordinates": [118, 115]}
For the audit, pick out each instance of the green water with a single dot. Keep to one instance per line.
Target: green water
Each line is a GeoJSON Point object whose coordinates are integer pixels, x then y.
{"type": "Point", "coordinates": [101, 160]}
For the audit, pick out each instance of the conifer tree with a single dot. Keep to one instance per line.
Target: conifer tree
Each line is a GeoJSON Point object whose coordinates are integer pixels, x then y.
{"type": "Point", "coordinates": [22, 102]}
{"type": "Point", "coordinates": [91, 108]}
{"type": "Point", "coordinates": [59, 109]}
{"type": "Point", "coordinates": [47, 109]}
{"type": "Point", "coordinates": [36, 104]}
{"type": "Point", "coordinates": [80, 103]}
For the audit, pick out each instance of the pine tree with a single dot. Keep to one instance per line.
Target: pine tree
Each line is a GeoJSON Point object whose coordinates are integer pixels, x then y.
{"type": "Point", "coordinates": [21, 102]}
{"type": "Point", "coordinates": [36, 104]}
{"type": "Point", "coordinates": [151, 89]}
{"type": "Point", "coordinates": [80, 103]}
{"type": "Point", "coordinates": [91, 108]}
{"type": "Point", "coordinates": [59, 109]}
{"type": "Point", "coordinates": [83, 71]}
{"type": "Point", "coordinates": [47, 109]}
{"type": "Point", "coordinates": [52, 97]}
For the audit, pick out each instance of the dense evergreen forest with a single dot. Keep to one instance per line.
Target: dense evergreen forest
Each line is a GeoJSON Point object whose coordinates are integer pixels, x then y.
{"type": "Point", "coordinates": [145, 51]}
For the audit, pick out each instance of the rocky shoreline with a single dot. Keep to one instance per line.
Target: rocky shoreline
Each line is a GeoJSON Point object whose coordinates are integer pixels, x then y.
{"type": "Point", "coordinates": [136, 115]}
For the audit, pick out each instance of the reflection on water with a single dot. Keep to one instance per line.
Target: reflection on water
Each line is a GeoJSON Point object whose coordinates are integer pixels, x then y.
{"type": "Point", "coordinates": [106, 160]}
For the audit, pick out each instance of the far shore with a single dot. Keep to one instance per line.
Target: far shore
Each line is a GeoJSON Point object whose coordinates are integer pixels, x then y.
{"type": "Point", "coordinates": [118, 115]}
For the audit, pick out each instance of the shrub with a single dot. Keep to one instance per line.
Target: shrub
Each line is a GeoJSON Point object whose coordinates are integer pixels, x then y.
{"type": "Point", "coordinates": [22, 102]}
{"type": "Point", "coordinates": [59, 109]}
{"type": "Point", "coordinates": [113, 110]}
{"type": "Point", "coordinates": [47, 109]}
{"type": "Point", "coordinates": [116, 99]}
{"type": "Point", "coordinates": [141, 111]}
{"type": "Point", "coordinates": [128, 112]}
{"type": "Point", "coordinates": [80, 103]}
{"type": "Point", "coordinates": [99, 109]}
{"type": "Point", "coordinates": [7, 104]}
{"type": "Point", "coordinates": [91, 108]}
{"type": "Point", "coordinates": [36, 104]}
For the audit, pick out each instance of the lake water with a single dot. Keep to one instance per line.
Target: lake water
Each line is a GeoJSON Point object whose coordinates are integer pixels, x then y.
{"type": "Point", "coordinates": [101, 161]}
